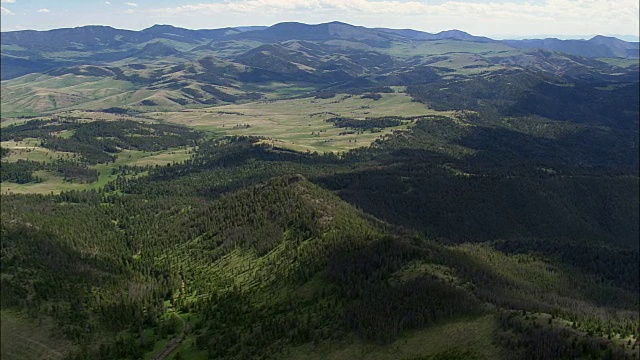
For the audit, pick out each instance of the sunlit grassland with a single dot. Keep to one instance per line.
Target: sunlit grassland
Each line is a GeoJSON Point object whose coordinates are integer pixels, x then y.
{"type": "Point", "coordinates": [30, 149]}
{"type": "Point", "coordinates": [51, 183]}
{"type": "Point", "coordinates": [8, 121]}
{"type": "Point", "coordinates": [54, 183]}
{"type": "Point", "coordinates": [278, 90]}
{"type": "Point", "coordinates": [440, 47]}
{"type": "Point", "coordinates": [466, 64]}
{"type": "Point", "coordinates": [619, 62]}
{"type": "Point", "coordinates": [117, 99]}
{"type": "Point", "coordinates": [35, 94]}
{"type": "Point", "coordinates": [299, 124]}
{"type": "Point", "coordinates": [76, 115]}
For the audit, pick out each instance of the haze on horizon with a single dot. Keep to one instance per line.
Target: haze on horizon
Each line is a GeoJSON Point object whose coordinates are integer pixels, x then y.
{"type": "Point", "coordinates": [498, 18]}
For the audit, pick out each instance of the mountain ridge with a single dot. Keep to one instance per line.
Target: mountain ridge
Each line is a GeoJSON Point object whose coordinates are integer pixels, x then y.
{"type": "Point", "coordinates": [262, 27]}
{"type": "Point", "coordinates": [30, 51]}
{"type": "Point", "coordinates": [289, 30]}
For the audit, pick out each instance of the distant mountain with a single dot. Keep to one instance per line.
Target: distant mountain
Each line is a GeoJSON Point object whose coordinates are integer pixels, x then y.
{"type": "Point", "coordinates": [25, 52]}
{"type": "Point", "coordinates": [629, 38]}
{"type": "Point", "coordinates": [80, 38]}
{"type": "Point", "coordinates": [449, 34]}
{"type": "Point", "coordinates": [461, 35]}
{"type": "Point", "coordinates": [14, 66]}
{"type": "Point", "coordinates": [101, 37]}
{"type": "Point", "coordinates": [599, 46]}
{"type": "Point", "coordinates": [156, 49]}
{"type": "Point", "coordinates": [619, 47]}
{"type": "Point", "coordinates": [250, 28]}
{"type": "Point", "coordinates": [294, 56]}
{"type": "Point", "coordinates": [328, 31]}
{"type": "Point", "coordinates": [186, 35]}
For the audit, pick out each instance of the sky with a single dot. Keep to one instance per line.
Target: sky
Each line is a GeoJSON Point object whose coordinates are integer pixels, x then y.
{"type": "Point", "coordinates": [496, 18]}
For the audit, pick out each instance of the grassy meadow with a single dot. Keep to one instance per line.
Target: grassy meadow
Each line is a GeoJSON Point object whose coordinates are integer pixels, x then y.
{"type": "Point", "coordinates": [54, 183]}
{"type": "Point", "coordinates": [299, 124]}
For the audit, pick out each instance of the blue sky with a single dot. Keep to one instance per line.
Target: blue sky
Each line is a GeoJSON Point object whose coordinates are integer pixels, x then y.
{"type": "Point", "coordinates": [497, 17]}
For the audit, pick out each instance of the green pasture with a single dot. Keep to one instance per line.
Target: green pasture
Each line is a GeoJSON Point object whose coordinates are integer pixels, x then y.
{"type": "Point", "coordinates": [54, 183]}
{"type": "Point", "coordinates": [299, 124]}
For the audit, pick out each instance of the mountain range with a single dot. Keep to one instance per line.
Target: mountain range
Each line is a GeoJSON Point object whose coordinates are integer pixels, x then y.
{"type": "Point", "coordinates": [30, 51]}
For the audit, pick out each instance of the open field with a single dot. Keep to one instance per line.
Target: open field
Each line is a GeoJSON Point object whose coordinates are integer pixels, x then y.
{"type": "Point", "coordinates": [52, 182]}
{"type": "Point", "coordinates": [443, 47]}
{"type": "Point", "coordinates": [161, 158]}
{"type": "Point", "coordinates": [466, 64]}
{"type": "Point", "coordinates": [79, 115]}
{"type": "Point", "coordinates": [8, 121]}
{"type": "Point", "coordinates": [299, 124]}
{"type": "Point", "coordinates": [29, 149]}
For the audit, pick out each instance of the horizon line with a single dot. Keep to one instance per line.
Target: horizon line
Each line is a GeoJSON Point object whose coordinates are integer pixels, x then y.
{"type": "Point", "coordinates": [493, 36]}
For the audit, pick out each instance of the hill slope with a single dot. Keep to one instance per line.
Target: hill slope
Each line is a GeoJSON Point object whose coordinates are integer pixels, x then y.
{"type": "Point", "coordinates": [252, 265]}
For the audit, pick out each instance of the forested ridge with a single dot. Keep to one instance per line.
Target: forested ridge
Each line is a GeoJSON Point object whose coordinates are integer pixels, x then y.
{"type": "Point", "coordinates": [248, 250]}
{"type": "Point", "coordinates": [240, 241]}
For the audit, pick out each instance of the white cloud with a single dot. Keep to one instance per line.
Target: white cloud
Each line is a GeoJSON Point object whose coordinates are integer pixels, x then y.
{"type": "Point", "coordinates": [565, 8]}
{"type": "Point", "coordinates": [107, 2]}
{"type": "Point", "coordinates": [130, 11]}
{"type": "Point", "coordinates": [7, 1]}
{"type": "Point", "coordinates": [594, 13]}
{"type": "Point", "coordinates": [131, 4]}
{"type": "Point", "coordinates": [5, 11]}
{"type": "Point", "coordinates": [43, 10]}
